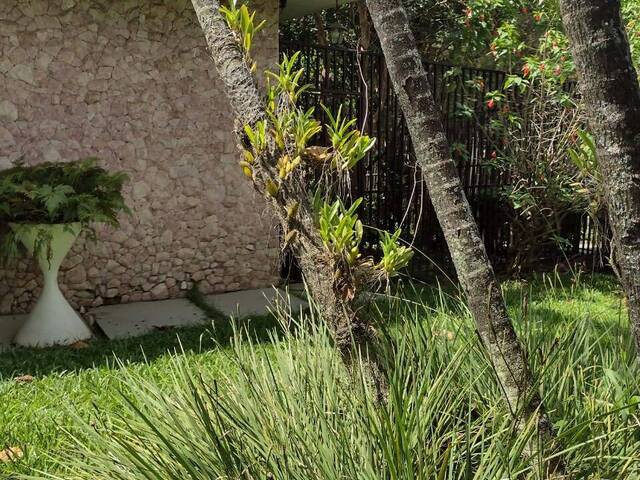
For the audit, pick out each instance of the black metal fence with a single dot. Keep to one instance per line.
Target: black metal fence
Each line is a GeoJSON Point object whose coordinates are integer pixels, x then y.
{"type": "Point", "coordinates": [389, 180]}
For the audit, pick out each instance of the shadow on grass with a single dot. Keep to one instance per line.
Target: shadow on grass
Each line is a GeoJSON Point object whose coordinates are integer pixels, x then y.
{"type": "Point", "coordinates": [426, 300]}
{"type": "Point", "coordinates": [102, 352]}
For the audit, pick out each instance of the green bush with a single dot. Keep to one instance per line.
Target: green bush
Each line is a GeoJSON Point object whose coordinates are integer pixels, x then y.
{"type": "Point", "coordinates": [62, 192]}
{"type": "Point", "coordinates": [59, 193]}
{"type": "Point", "coordinates": [289, 409]}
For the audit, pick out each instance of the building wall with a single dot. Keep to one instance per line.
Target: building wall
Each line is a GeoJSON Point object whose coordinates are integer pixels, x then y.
{"type": "Point", "coordinates": [130, 82]}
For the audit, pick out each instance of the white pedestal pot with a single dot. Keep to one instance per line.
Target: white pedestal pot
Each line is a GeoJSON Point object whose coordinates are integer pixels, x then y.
{"type": "Point", "coordinates": [52, 321]}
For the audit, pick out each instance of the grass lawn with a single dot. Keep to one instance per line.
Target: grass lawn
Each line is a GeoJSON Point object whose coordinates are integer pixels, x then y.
{"type": "Point", "coordinates": [34, 415]}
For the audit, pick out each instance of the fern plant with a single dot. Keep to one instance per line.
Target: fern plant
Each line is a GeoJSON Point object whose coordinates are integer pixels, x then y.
{"type": "Point", "coordinates": [58, 193]}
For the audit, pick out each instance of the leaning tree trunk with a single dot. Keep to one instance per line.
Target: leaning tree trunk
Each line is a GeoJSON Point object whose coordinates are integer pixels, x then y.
{"type": "Point", "coordinates": [468, 253]}
{"type": "Point", "coordinates": [609, 86]}
{"type": "Point", "coordinates": [333, 299]}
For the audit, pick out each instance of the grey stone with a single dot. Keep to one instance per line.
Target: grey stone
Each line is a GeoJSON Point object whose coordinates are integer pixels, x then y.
{"type": "Point", "coordinates": [8, 111]}
{"type": "Point", "coordinates": [23, 72]}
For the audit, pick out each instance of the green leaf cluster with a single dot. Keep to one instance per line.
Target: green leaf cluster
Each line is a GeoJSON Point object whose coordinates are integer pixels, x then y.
{"type": "Point", "coordinates": [57, 193]}
{"type": "Point", "coordinates": [341, 230]}
{"type": "Point", "coordinates": [349, 144]}
{"type": "Point", "coordinates": [290, 130]}
{"type": "Point", "coordinates": [242, 22]}
{"type": "Point", "coordinates": [395, 256]}
{"type": "Point", "coordinates": [61, 192]}
{"type": "Point", "coordinates": [286, 82]}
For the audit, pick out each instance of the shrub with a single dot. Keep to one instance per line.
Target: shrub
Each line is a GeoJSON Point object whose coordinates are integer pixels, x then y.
{"type": "Point", "coordinates": [533, 123]}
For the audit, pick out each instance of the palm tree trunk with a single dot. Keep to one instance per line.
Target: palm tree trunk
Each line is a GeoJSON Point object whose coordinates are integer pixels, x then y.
{"type": "Point", "coordinates": [609, 86]}
{"type": "Point", "coordinates": [468, 253]}
{"type": "Point", "coordinates": [318, 267]}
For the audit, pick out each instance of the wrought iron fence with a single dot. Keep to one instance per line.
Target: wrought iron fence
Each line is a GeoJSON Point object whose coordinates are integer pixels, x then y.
{"type": "Point", "coordinates": [389, 180]}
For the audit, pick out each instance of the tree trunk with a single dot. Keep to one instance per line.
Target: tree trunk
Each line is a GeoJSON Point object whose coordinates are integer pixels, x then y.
{"type": "Point", "coordinates": [609, 86]}
{"type": "Point", "coordinates": [334, 300]}
{"type": "Point", "coordinates": [468, 253]}
{"type": "Point", "coordinates": [321, 31]}
{"type": "Point", "coordinates": [364, 23]}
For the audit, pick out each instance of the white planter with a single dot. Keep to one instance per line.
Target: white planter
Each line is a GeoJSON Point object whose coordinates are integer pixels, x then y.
{"type": "Point", "coordinates": [52, 321]}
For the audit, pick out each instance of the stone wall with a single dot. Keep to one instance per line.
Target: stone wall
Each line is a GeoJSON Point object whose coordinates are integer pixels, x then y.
{"type": "Point", "coordinates": [130, 82]}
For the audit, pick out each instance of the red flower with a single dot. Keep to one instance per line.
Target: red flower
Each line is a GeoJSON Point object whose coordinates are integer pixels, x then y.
{"type": "Point", "coordinates": [537, 17]}
{"type": "Point", "coordinates": [491, 104]}
{"type": "Point", "coordinates": [526, 70]}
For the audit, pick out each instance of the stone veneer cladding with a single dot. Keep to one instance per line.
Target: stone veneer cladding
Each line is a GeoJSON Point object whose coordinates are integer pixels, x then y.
{"type": "Point", "coordinates": [131, 82]}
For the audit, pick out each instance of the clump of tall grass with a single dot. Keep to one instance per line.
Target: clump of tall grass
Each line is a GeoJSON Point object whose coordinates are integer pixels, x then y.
{"type": "Point", "coordinates": [287, 409]}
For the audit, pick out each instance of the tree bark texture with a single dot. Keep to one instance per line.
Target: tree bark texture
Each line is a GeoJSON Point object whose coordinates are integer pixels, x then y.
{"type": "Point", "coordinates": [609, 86]}
{"type": "Point", "coordinates": [321, 31]}
{"type": "Point", "coordinates": [484, 297]}
{"type": "Point", "coordinates": [333, 298]}
{"type": "Point", "coordinates": [364, 23]}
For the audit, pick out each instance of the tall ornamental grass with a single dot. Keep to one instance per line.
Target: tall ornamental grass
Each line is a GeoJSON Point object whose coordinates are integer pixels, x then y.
{"type": "Point", "coordinates": [287, 408]}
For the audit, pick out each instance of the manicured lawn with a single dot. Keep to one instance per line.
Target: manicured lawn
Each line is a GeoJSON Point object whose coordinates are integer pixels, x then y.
{"type": "Point", "coordinates": [35, 415]}
{"type": "Point", "coordinates": [67, 382]}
